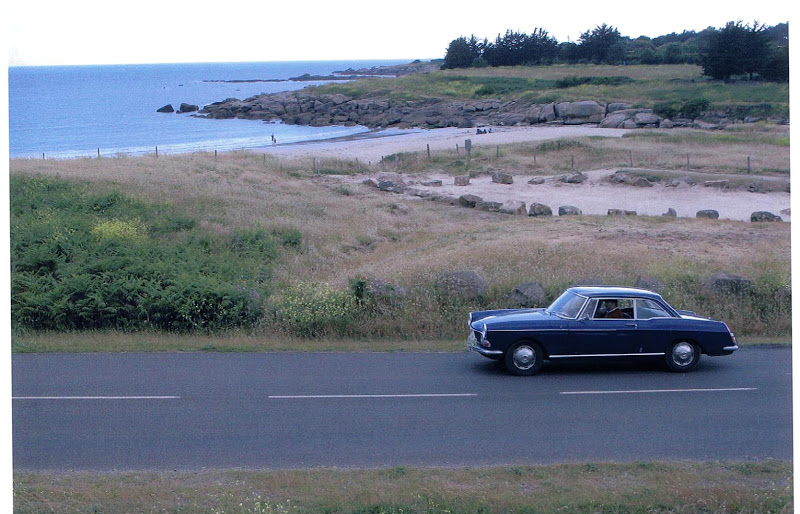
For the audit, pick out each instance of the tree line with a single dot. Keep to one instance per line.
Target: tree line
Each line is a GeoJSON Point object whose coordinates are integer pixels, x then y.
{"type": "Point", "coordinates": [754, 51]}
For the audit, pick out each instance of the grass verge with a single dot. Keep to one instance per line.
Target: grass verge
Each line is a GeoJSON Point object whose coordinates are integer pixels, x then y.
{"type": "Point", "coordinates": [591, 487]}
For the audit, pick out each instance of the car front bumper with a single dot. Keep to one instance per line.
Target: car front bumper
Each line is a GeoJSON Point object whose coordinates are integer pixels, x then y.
{"type": "Point", "coordinates": [473, 346]}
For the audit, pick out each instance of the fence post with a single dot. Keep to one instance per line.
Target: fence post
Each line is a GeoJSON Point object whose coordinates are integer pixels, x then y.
{"type": "Point", "coordinates": [630, 157]}
{"type": "Point", "coordinates": [429, 151]}
{"type": "Point", "coordinates": [748, 164]}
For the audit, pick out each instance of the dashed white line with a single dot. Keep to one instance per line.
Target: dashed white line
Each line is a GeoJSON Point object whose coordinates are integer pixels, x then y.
{"type": "Point", "coordinates": [95, 397]}
{"type": "Point", "coordinates": [646, 391]}
{"type": "Point", "coordinates": [346, 396]}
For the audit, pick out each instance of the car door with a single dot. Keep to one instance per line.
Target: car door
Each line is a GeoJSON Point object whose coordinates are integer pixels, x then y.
{"type": "Point", "coordinates": [605, 331]}
{"type": "Point", "coordinates": [655, 325]}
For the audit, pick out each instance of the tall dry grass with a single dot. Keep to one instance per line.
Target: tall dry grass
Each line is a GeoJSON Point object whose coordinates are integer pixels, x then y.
{"type": "Point", "coordinates": [350, 230]}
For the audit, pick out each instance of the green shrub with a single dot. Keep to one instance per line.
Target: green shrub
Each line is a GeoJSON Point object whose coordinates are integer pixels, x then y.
{"type": "Point", "coordinates": [693, 108]}
{"type": "Point", "coordinates": [85, 260]}
{"type": "Point", "coordinates": [310, 310]}
{"type": "Point", "coordinates": [573, 81]}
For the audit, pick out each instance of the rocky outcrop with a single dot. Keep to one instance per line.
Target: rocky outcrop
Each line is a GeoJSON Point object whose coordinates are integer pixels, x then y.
{"type": "Point", "coordinates": [305, 108]}
{"type": "Point", "coordinates": [726, 283]}
{"type": "Point", "coordinates": [529, 294]}
{"type": "Point", "coordinates": [708, 214]}
{"type": "Point", "coordinates": [462, 284]}
{"type": "Point", "coordinates": [764, 216]}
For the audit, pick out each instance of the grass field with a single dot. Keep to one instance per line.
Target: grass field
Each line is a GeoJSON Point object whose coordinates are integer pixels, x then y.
{"type": "Point", "coordinates": [643, 487]}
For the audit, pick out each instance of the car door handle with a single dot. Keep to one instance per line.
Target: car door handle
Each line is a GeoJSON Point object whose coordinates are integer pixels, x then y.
{"type": "Point", "coordinates": [632, 325]}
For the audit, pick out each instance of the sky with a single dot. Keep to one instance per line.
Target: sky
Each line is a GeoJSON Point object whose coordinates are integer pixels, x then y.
{"type": "Point", "coordinates": [56, 32]}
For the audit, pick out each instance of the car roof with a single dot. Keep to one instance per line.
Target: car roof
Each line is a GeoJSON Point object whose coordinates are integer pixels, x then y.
{"type": "Point", "coordinates": [614, 291]}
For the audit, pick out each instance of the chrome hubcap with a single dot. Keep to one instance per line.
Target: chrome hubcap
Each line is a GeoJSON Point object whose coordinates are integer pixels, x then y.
{"type": "Point", "coordinates": [524, 357]}
{"type": "Point", "coordinates": [683, 354]}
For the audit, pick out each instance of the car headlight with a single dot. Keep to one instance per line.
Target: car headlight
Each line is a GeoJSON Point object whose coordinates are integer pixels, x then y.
{"type": "Point", "coordinates": [484, 341]}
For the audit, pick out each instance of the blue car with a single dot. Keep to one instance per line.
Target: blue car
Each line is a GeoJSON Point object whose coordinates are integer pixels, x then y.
{"type": "Point", "coordinates": [598, 322]}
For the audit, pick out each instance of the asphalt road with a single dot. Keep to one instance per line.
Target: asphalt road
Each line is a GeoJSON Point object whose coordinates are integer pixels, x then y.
{"type": "Point", "coordinates": [189, 411]}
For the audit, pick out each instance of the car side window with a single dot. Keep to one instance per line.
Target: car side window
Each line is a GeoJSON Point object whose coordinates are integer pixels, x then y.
{"type": "Point", "coordinates": [648, 309]}
{"type": "Point", "coordinates": [614, 308]}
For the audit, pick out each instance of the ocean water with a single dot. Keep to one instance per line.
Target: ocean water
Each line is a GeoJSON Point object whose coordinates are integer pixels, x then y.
{"type": "Point", "coordinates": [72, 111]}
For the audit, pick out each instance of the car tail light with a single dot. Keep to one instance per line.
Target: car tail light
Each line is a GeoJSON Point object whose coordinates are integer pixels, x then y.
{"type": "Point", "coordinates": [733, 336]}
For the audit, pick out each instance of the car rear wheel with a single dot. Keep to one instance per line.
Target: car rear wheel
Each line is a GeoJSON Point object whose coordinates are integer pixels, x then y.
{"type": "Point", "coordinates": [524, 358]}
{"type": "Point", "coordinates": [683, 356]}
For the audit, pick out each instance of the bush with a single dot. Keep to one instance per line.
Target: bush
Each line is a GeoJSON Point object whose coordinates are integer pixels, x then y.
{"type": "Point", "coordinates": [693, 108]}
{"type": "Point", "coordinates": [573, 81]}
{"type": "Point", "coordinates": [311, 310]}
{"type": "Point", "coordinates": [83, 260]}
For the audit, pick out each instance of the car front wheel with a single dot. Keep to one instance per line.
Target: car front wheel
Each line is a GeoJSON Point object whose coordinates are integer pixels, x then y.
{"type": "Point", "coordinates": [683, 356]}
{"type": "Point", "coordinates": [524, 358]}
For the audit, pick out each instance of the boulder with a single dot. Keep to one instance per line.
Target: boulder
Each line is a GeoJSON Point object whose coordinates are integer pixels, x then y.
{"type": "Point", "coordinates": [462, 284]}
{"type": "Point", "coordinates": [710, 214]}
{"type": "Point", "coordinates": [461, 180]}
{"type": "Point", "coordinates": [650, 283]}
{"type": "Point", "coordinates": [536, 181]}
{"type": "Point", "coordinates": [587, 111]}
{"type": "Point", "coordinates": [615, 120]}
{"type": "Point", "coordinates": [187, 108]}
{"type": "Point", "coordinates": [529, 294]}
{"type": "Point", "coordinates": [666, 124]}
{"type": "Point", "coordinates": [569, 210]}
{"type": "Point", "coordinates": [722, 184]}
{"type": "Point", "coordinates": [671, 213]}
{"type": "Point", "coordinates": [575, 178]}
{"type": "Point", "coordinates": [500, 177]}
{"type": "Point", "coordinates": [469, 200]}
{"type": "Point", "coordinates": [166, 108]}
{"type": "Point", "coordinates": [489, 206]}
{"type": "Point", "coordinates": [646, 118]}
{"type": "Point", "coordinates": [762, 216]}
{"type": "Point", "coordinates": [621, 212]}
{"type": "Point", "coordinates": [726, 283]}
{"type": "Point", "coordinates": [540, 209]}
{"type": "Point", "coordinates": [391, 186]}
{"type": "Point", "coordinates": [617, 106]}
{"type": "Point", "coordinates": [513, 207]}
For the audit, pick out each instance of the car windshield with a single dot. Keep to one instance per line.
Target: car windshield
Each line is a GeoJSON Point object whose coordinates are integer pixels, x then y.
{"type": "Point", "coordinates": [568, 305]}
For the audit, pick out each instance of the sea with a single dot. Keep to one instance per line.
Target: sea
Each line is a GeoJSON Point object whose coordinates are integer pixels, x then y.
{"type": "Point", "coordinates": [111, 110]}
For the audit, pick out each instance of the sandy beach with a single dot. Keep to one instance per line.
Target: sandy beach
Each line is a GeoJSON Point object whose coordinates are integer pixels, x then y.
{"type": "Point", "coordinates": [595, 196]}
{"type": "Point", "coordinates": [371, 147]}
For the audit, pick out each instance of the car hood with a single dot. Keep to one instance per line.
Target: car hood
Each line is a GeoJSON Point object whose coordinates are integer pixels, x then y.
{"type": "Point", "coordinates": [502, 317]}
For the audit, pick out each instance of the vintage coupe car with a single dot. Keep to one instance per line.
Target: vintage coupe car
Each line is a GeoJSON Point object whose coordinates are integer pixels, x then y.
{"type": "Point", "coordinates": [598, 322]}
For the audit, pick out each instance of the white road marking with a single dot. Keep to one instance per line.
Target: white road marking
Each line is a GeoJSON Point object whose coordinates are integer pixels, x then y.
{"type": "Point", "coordinates": [335, 396]}
{"type": "Point", "coordinates": [642, 391]}
{"type": "Point", "coordinates": [95, 397]}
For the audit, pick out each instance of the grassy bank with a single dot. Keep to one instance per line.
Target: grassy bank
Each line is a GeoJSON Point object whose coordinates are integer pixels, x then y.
{"type": "Point", "coordinates": [591, 487]}
{"type": "Point", "coordinates": [640, 85]}
{"type": "Point", "coordinates": [289, 249]}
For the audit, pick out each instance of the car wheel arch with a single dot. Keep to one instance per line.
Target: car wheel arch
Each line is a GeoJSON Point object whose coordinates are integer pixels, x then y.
{"type": "Point", "coordinates": [531, 340]}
